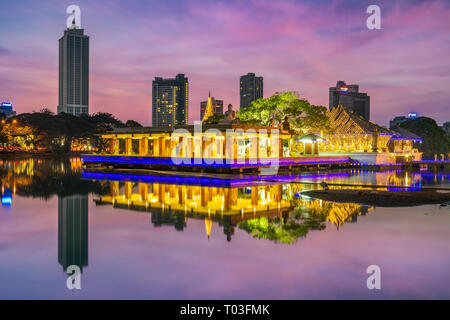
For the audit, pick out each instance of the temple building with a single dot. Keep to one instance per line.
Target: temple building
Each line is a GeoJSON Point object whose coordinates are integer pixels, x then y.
{"type": "Point", "coordinates": [216, 107]}
{"type": "Point", "coordinates": [209, 109]}
{"type": "Point", "coordinates": [230, 145]}
{"type": "Point", "coordinates": [353, 134]}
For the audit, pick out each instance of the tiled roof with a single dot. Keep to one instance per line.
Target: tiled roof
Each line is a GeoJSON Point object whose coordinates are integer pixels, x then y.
{"type": "Point", "coordinates": [344, 121]}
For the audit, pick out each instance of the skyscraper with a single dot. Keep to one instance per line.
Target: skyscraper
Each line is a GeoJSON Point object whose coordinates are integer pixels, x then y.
{"type": "Point", "coordinates": [170, 102]}
{"type": "Point", "coordinates": [216, 104]}
{"type": "Point", "coordinates": [74, 72]}
{"type": "Point", "coordinates": [251, 89]}
{"type": "Point", "coordinates": [350, 98]}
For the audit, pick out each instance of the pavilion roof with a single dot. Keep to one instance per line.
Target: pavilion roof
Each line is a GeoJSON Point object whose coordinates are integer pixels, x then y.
{"type": "Point", "coordinates": [346, 122]}
{"type": "Point", "coordinates": [406, 135]}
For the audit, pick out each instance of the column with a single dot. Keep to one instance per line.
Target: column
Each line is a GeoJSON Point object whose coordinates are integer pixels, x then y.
{"type": "Point", "coordinates": [143, 146]}
{"type": "Point", "coordinates": [113, 146]}
{"type": "Point", "coordinates": [128, 146]}
{"type": "Point", "coordinates": [162, 146]}
{"type": "Point", "coordinates": [255, 196]}
{"type": "Point", "coordinates": [143, 191]}
{"type": "Point", "coordinates": [114, 188]}
{"type": "Point", "coordinates": [128, 190]}
{"type": "Point", "coordinates": [280, 148]}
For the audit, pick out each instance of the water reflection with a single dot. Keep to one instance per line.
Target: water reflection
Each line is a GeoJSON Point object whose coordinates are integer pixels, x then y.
{"type": "Point", "coordinates": [268, 210]}
{"type": "Point", "coordinates": [273, 211]}
{"type": "Point", "coordinates": [262, 219]}
{"type": "Point", "coordinates": [44, 178]}
{"type": "Point", "coordinates": [73, 229]}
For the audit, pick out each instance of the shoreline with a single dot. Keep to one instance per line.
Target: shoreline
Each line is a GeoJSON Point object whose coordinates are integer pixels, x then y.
{"type": "Point", "coordinates": [38, 155]}
{"type": "Point", "coordinates": [381, 198]}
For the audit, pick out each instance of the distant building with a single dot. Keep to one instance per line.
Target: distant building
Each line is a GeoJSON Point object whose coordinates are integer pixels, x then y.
{"type": "Point", "coordinates": [251, 89]}
{"type": "Point", "coordinates": [446, 127]}
{"type": "Point", "coordinates": [74, 72]}
{"type": "Point", "coordinates": [6, 110]}
{"type": "Point", "coordinates": [397, 121]}
{"type": "Point", "coordinates": [400, 119]}
{"type": "Point", "coordinates": [350, 98]}
{"type": "Point", "coordinates": [217, 106]}
{"type": "Point", "coordinates": [170, 102]}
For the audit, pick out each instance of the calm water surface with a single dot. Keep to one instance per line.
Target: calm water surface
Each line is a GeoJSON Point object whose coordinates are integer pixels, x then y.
{"type": "Point", "coordinates": [152, 237]}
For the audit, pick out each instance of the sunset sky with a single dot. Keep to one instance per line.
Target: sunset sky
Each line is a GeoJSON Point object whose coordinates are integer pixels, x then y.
{"type": "Point", "coordinates": [304, 45]}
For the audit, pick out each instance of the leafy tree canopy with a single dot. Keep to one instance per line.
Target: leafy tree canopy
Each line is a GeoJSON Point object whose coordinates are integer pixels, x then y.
{"type": "Point", "coordinates": [57, 132]}
{"type": "Point", "coordinates": [214, 119]}
{"type": "Point", "coordinates": [132, 123]}
{"type": "Point", "coordinates": [435, 141]}
{"type": "Point", "coordinates": [302, 116]}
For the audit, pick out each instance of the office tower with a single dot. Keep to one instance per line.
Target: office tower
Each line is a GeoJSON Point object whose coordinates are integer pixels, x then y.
{"type": "Point", "coordinates": [397, 121]}
{"type": "Point", "coordinates": [350, 98]}
{"type": "Point", "coordinates": [74, 72]}
{"type": "Point", "coordinates": [170, 102]}
{"type": "Point", "coordinates": [217, 106]}
{"type": "Point", "coordinates": [251, 89]}
{"type": "Point", "coordinates": [6, 110]}
{"type": "Point", "coordinates": [73, 231]}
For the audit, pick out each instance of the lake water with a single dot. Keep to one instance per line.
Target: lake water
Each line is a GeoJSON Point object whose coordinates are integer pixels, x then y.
{"type": "Point", "coordinates": [147, 236]}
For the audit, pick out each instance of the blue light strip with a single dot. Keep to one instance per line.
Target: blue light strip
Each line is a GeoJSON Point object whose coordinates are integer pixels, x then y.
{"type": "Point", "coordinates": [176, 180]}
{"type": "Point", "coordinates": [208, 181]}
{"type": "Point", "coordinates": [433, 161]}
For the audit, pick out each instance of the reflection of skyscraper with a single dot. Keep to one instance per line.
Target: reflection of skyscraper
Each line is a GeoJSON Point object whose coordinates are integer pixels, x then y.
{"type": "Point", "coordinates": [73, 231]}
{"type": "Point", "coordinates": [168, 219]}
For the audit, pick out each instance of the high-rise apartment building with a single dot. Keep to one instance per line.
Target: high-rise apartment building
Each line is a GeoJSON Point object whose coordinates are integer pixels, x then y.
{"type": "Point", "coordinates": [170, 101]}
{"type": "Point", "coordinates": [251, 89]}
{"type": "Point", "coordinates": [350, 98]}
{"type": "Point", "coordinates": [74, 72]}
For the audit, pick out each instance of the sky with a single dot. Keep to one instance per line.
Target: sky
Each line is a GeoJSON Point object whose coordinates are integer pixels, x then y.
{"type": "Point", "coordinates": [303, 45]}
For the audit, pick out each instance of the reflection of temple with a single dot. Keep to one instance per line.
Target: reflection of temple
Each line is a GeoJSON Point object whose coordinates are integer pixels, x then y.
{"type": "Point", "coordinates": [73, 231]}
{"type": "Point", "coordinates": [336, 213]}
{"type": "Point", "coordinates": [172, 204]}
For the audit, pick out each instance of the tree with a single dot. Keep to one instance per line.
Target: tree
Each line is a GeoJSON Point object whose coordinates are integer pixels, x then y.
{"type": "Point", "coordinates": [132, 124]}
{"type": "Point", "coordinates": [302, 116]}
{"type": "Point", "coordinates": [286, 229]}
{"type": "Point", "coordinates": [3, 137]}
{"type": "Point", "coordinates": [214, 119]}
{"type": "Point", "coordinates": [46, 111]}
{"type": "Point", "coordinates": [435, 141]}
{"type": "Point", "coordinates": [105, 118]}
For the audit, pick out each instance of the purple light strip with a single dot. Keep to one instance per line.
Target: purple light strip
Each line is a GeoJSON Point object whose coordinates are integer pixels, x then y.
{"type": "Point", "coordinates": [191, 162]}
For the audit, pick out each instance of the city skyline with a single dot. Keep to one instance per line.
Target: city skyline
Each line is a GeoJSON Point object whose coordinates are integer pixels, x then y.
{"type": "Point", "coordinates": [301, 51]}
